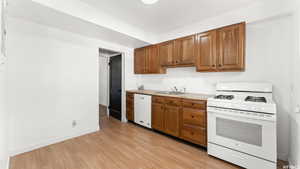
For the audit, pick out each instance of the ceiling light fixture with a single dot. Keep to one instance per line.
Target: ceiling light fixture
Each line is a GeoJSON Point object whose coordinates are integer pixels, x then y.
{"type": "Point", "coordinates": [149, 1]}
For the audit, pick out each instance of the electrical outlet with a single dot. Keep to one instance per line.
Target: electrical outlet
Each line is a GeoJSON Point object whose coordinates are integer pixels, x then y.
{"type": "Point", "coordinates": [74, 123]}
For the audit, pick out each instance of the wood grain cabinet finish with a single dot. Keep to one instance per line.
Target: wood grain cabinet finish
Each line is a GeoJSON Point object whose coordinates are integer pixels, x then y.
{"type": "Point", "coordinates": [166, 53]}
{"type": "Point", "coordinates": [129, 106]}
{"type": "Point", "coordinates": [147, 61]}
{"type": "Point", "coordinates": [185, 51]}
{"type": "Point", "coordinates": [194, 121]}
{"type": "Point", "coordinates": [172, 120]}
{"type": "Point", "coordinates": [182, 118]}
{"type": "Point", "coordinates": [206, 50]}
{"type": "Point", "coordinates": [158, 116]}
{"type": "Point", "coordinates": [218, 50]}
{"type": "Point", "coordinates": [231, 47]}
{"type": "Point", "coordinates": [140, 61]}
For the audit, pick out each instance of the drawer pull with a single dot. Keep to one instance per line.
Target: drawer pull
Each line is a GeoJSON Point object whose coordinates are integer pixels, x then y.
{"type": "Point", "coordinates": [193, 116]}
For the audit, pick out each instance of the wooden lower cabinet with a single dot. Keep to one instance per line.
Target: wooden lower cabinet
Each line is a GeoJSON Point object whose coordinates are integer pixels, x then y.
{"type": "Point", "coordinates": [129, 106]}
{"type": "Point", "coordinates": [182, 118]}
{"type": "Point", "coordinates": [172, 120]}
{"type": "Point", "coordinates": [158, 116]}
{"type": "Point", "coordinates": [194, 134]}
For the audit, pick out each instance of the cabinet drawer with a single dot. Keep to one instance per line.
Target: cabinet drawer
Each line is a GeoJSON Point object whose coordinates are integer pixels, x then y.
{"type": "Point", "coordinates": [173, 101]}
{"type": "Point", "coordinates": [194, 134]}
{"type": "Point", "coordinates": [158, 99]}
{"type": "Point", "coordinates": [196, 104]}
{"type": "Point", "coordinates": [194, 117]}
{"type": "Point", "coordinates": [129, 95]}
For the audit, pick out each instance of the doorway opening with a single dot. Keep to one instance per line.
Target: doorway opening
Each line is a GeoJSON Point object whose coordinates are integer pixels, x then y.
{"type": "Point", "coordinates": [110, 84]}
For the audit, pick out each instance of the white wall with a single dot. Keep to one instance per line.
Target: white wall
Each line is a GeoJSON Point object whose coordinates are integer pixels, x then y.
{"type": "Point", "coordinates": [53, 80]}
{"type": "Point", "coordinates": [4, 116]}
{"type": "Point", "coordinates": [294, 157]}
{"type": "Point", "coordinates": [103, 80]}
{"type": "Point", "coordinates": [268, 54]}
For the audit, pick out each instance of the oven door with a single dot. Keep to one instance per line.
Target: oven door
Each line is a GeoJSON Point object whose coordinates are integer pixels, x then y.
{"type": "Point", "coordinates": [250, 136]}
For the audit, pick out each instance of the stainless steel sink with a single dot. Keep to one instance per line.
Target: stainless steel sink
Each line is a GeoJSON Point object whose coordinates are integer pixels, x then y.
{"type": "Point", "coordinates": [170, 92]}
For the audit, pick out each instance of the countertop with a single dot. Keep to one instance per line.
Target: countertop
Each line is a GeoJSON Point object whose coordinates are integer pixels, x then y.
{"type": "Point", "coordinates": [184, 96]}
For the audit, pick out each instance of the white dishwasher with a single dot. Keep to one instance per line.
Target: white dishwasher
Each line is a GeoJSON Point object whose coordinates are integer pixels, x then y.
{"type": "Point", "coordinates": [142, 110]}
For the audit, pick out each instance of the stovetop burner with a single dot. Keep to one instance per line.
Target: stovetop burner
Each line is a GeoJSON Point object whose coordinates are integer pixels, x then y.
{"type": "Point", "coordinates": [256, 99]}
{"type": "Point", "coordinates": [224, 97]}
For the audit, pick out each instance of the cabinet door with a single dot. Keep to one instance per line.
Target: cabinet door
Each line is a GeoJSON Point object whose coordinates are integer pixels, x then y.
{"type": "Point", "coordinates": [153, 61]}
{"type": "Point", "coordinates": [158, 116]}
{"type": "Point", "coordinates": [172, 120]}
{"type": "Point", "coordinates": [185, 51]}
{"type": "Point", "coordinates": [231, 47]}
{"type": "Point", "coordinates": [140, 61]}
{"type": "Point", "coordinates": [166, 53]}
{"type": "Point", "coordinates": [206, 51]}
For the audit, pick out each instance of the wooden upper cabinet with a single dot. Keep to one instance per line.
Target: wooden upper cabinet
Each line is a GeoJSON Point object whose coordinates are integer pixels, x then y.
{"type": "Point", "coordinates": [147, 61]}
{"type": "Point", "coordinates": [206, 51]}
{"type": "Point", "coordinates": [185, 51]}
{"type": "Point", "coordinates": [140, 61]}
{"type": "Point", "coordinates": [220, 50]}
{"type": "Point", "coordinates": [153, 61]}
{"type": "Point", "coordinates": [231, 47]}
{"type": "Point", "coordinates": [166, 53]}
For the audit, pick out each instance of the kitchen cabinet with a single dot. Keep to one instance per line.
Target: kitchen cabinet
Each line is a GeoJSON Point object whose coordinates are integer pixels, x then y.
{"type": "Point", "coordinates": [218, 50]}
{"type": "Point", "coordinates": [166, 53]}
{"type": "Point", "coordinates": [185, 51]}
{"type": "Point", "coordinates": [158, 112]}
{"type": "Point", "coordinates": [172, 120]}
{"type": "Point", "coordinates": [129, 106]}
{"type": "Point", "coordinates": [221, 50]}
{"type": "Point", "coordinates": [206, 50]}
{"type": "Point", "coordinates": [147, 61]}
{"type": "Point", "coordinates": [180, 117]}
{"type": "Point", "coordinates": [140, 66]}
{"type": "Point", "coordinates": [165, 114]}
{"type": "Point", "coordinates": [194, 121]}
{"type": "Point", "coordinates": [231, 47]}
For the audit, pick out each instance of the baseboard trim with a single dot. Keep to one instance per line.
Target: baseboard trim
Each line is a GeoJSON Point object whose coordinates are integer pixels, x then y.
{"type": "Point", "coordinates": [51, 141]}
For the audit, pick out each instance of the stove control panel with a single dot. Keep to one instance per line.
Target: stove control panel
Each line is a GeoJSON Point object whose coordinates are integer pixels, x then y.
{"type": "Point", "coordinates": [241, 113]}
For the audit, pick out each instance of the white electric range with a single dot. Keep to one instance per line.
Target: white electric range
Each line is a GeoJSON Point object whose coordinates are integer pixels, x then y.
{"type": "Point", "coordinates": [242, 125]}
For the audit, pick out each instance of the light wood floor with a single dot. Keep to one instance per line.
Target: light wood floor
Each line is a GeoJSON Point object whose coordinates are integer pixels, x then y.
{"type": "Point", "coordinates": [119, 146]}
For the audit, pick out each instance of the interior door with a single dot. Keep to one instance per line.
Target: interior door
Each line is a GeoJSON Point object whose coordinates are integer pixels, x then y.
{"type": "Point", "coordinates": [115, 86]}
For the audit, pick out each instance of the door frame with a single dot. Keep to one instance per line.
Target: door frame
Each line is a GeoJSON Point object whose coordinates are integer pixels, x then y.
{"type": "Point", "coordinates": [123, 95]}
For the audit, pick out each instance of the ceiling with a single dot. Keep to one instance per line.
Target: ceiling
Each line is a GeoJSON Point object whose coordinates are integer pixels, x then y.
{"type": "Point", "coordinates": [28, 10]}
{"type": "Point", "coordinates": [166, 15]}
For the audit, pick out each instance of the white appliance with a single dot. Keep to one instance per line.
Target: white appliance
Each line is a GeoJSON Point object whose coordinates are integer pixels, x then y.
{"type": "Point", "coordinates": [142, 110]}
{"type": "Point", "coordinates": [242, 125]}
